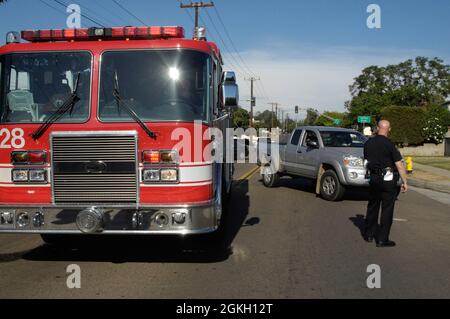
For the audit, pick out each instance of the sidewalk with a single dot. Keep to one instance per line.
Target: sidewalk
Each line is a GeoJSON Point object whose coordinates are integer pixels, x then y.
{"type": "Point", "coordinates": [429, 177]}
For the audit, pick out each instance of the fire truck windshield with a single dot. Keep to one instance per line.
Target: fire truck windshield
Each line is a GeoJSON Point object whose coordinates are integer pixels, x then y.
{"type": "Point", "coordinates": [159, 85]}
{"type": "Point", "coordinates": [35, 85]}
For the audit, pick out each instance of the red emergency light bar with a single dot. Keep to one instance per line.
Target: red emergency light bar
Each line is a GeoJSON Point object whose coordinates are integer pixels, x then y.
{"type": "Point", "coordinates": [116, 33]}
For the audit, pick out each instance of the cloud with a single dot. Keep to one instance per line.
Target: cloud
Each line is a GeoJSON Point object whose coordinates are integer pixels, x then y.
{"type": "Point", "coordinates": [309, 76]}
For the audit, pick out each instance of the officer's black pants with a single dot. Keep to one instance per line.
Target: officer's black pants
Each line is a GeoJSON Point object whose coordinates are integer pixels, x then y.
{"type": "Point", "coordinates": [384, 194]}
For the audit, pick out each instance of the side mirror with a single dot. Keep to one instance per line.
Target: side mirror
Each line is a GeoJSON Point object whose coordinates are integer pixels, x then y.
{"type": "Point", "coordinates": [230, 90]}
{"type": "Point", "coordinates": [312, 144]}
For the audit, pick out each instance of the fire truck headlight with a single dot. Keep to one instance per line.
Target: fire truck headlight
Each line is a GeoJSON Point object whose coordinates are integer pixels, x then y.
{"type": "Point", "coordinates": [169, 175]}
{"type": "Point", "coordinates": [38, 175]}
{"type": "Point", "coordinates": [20, 175]}
{"type": "Point", "coordinates": [151, 175]}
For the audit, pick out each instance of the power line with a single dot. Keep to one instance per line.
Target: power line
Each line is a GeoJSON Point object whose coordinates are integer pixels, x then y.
{"type": "Point", "coordinates": [82, 14]}
{"type": "Point", "coordinates": [196, 6]}
{"type": "Point", "coordinates": [248, 69]}
{"type": "Point", "coordinates": [237, 63]}
{"type": "Point", "coordinates": [187, 12]}
{"type": "Point", "coordinates": [92, 12]}
{"type": "Point", "coordinates": [212, 35]}
{"type": "Point", "coordinates": [231, 40]}
{"type": "Point", "coordinates": [54, 8]}
{"type": "Point", "coordinates": [106, 8]}
{"type": "Point", "coordinates": [214, 26]}
{"type": "Point", "coordinates": [227, 49]}
{"type": "Point", "coordinates": [129, 12]}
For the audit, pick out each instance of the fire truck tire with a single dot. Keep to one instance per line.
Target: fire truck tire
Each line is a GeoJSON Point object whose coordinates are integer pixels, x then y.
{"type": "Point", "coordinates": [217, 238]}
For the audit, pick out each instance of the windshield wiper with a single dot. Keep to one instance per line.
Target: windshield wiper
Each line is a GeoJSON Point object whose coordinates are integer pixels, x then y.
{"type": "Point", "coordinates": [67, 105]}
{"type": "Point", "coordinates": [128, 109]}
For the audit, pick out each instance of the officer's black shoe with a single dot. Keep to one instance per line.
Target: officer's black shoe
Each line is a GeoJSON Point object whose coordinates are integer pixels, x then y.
{"type": "Point", "coordinates": [382, 244]}
{"type": "Point", "coordinates": [369, 238]}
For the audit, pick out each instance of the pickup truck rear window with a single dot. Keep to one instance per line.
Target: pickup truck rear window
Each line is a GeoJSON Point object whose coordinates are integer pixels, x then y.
{"type": "Point", "coordinates": [342, 139]}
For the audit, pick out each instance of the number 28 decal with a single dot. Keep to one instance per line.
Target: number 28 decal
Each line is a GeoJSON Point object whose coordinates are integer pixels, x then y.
{"type": "Point", "coordinates": [12, 139]}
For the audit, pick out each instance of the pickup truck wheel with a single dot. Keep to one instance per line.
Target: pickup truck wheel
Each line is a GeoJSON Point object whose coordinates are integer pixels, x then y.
{"type": "Point", "coordinates": [270, 179]}
{"type": "Point", "coordinates": [331, 188]}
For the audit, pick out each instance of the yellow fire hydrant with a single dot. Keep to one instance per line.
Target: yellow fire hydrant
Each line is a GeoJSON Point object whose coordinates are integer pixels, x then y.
{"type": "Point", "coordinates": [409, 164]}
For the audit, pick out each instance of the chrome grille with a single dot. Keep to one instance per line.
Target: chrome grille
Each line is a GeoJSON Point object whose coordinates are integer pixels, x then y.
{"type": "Point", "coordinates": [94, 169]}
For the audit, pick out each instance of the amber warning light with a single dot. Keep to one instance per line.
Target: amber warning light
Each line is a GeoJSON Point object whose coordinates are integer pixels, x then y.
{"type": "Point", "coordinates": [116, 33]}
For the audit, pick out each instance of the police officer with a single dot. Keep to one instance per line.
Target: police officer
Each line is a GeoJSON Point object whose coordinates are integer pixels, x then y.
{"type": "Point", "coordinates": [384, 167]}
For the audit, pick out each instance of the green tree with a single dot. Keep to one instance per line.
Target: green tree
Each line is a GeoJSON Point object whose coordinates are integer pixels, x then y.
{"type": "Point", "coordinates": [311, 116]}
{"type": "Point", "coordinates": [265, 119]}
{"type": "Point", "coordinates": [326, 119]}
{"type": "Point", "coordinates": [407, 124]}
{"type": "Point", "coordinates": [241, 118]}
{"type": "Point", "coordinates": [417, 82]}
{"type": "Point", "coordinates": [290, 124]}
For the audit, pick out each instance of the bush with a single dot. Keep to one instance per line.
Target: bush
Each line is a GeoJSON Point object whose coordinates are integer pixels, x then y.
{"type": "Point", "coordinates": [435, 124]}
{"type": "Point", "coordinates": [407, 124]}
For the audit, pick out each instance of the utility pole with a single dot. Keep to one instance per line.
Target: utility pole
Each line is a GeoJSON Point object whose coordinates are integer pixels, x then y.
{"type": "Point", "coordinates": [276, 107]}
{"type": "Point", "coordinates": [252, 97]}
{"type": "Point", "coordinates": [196, 6]}
{"type": "Point", "coordinates": [276, 113]}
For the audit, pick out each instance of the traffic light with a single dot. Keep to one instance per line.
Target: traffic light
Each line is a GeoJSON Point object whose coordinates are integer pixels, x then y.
{"type": "Point", "coordinates": [296, 109]}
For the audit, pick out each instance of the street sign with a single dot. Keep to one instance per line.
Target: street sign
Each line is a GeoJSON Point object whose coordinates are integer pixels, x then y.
{"type": "Point", "coordinates": [337, 121]}
{"type": "Point", "coordinates": [364, 119]}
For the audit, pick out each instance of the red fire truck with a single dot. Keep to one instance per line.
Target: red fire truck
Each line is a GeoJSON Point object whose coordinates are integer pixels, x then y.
{"type": "Point", "coordinates": [103, 131]}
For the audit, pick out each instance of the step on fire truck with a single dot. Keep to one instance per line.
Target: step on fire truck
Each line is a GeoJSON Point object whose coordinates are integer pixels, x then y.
{"type": "Point", "coordinates": [90, 121]}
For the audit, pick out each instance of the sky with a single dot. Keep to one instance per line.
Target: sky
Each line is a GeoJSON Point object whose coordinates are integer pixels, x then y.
{"type": "Point", "coordinates": [305, 52]}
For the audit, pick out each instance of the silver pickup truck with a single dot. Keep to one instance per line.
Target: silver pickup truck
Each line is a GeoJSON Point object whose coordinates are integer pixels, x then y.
{"type": "Point", "coordinates": [331, 156]}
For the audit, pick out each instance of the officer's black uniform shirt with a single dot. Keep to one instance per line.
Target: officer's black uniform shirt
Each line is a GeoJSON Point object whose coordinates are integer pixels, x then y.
{"type": "Point", "coordinates": [380, 152]}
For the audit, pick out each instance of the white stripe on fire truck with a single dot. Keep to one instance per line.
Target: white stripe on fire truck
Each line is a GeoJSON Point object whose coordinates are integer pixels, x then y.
{"type": "Point", "coordinates": [187, 174]}
{"type": "Point", "coordinates": [177, 185]}
{"type": "Point", "coordinates": [195, 174]}
{"type": "Point", "coordinates": [189, 164]}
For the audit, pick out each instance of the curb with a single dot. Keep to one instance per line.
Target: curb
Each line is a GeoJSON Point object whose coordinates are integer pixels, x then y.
{"type": "Point", "coordinates": [429, 185]}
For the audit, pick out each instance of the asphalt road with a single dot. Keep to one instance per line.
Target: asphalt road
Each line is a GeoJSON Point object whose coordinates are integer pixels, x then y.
{"type": "Point", "coordinates": [283, 243]}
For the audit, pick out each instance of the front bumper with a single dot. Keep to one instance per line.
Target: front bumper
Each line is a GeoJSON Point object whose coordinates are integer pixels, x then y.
{"type": "Point", "coordinates": [355, 177]}
{"type": "Point", "coordinates": [113, 219]}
